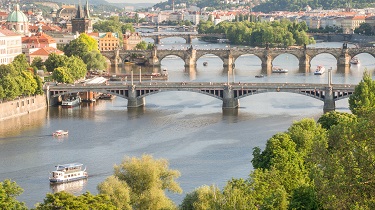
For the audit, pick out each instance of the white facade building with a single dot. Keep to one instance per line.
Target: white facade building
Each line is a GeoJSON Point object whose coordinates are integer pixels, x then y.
{"type": "Point", "coordinates": [10, 46]}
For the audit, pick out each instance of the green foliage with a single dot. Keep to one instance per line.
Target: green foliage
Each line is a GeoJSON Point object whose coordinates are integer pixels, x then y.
{"type": "Point", "coordinates": [362, 101]}
{"type": "Point", "coordinates": [117, 190]}
{"type": "Point", "coordinates": [95, 60]}
{"type": "Point", "coordinates": [141, 45]}
{"type": "Point", "coordinates": [77, 68]}
{"type": "Point", "coordinates": [53, 61]}
{"type": "Point", "coordinates": [147, 179]}
{"type": "Point", "coordinates": [365, 29]}
{"type": "Point", "coordinates": [61, 74]}
{"type": "Point", "coordinates": [20, 63]}
{"type": "Point", "coordinates": [333, 118]}
{"type": "Point", "coordinates": [346, 170]}
{"type": "Point", "coordinates": [205, 197]}
{"type": "Point", "coordinates": [127, 28]}
{"type": "Point", "coordinates": [10, 86]}
{"type": "Point", "coordinates": [86, 201]}
{"type": "Point", "coordinates": [8, 192]}
{"type": "Point", "coordinates": [38, 63]}
{"type": "Point", "coordinates": [277, 33]}
{"type": "Point", "coordinates": [294, 5]}
{"type": "Point", "coordinates": [73, 68]}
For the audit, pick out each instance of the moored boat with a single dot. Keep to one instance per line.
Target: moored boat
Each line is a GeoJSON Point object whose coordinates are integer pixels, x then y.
{"type": "Point", "coordinates": [67, 173]}
{"type": "Point", "coordinates": [279, 70]}
{"type": "Point", "coordinates": [71, 101]}
{"type": "Point", "coordinates": [106, 96]}
{"type": "Point", "coordinates": [259, 76]}
{"type": "Point", "coordinates": [319, 70]}
{"type": "Point", "coordinates": [354, 60]}
{"type": "Point", "coordinates": [60, 133]}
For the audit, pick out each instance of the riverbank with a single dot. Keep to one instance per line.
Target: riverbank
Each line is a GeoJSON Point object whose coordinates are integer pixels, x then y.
{"type": "Point", "coordinates": [21, 106]}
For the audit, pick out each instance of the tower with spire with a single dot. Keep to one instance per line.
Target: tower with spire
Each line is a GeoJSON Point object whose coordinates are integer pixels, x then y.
{"type": "Point", "coordinates": [81, 23]}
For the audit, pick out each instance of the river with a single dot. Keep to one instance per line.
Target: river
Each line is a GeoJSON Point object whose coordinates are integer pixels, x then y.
{"type": "Point", "coordinates": [190, 130]}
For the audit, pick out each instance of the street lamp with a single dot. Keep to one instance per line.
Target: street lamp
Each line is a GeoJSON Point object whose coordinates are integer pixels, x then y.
{"type": "Point", "coordinates": [140, 74]}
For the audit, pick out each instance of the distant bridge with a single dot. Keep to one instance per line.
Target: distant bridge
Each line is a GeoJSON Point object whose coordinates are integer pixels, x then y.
{"type": "Point", "coordinates": [228, 93]}
{"type": "Point", "coordinates": [229, 55]}
{"type": "Point", "coordinates": [187, 36]}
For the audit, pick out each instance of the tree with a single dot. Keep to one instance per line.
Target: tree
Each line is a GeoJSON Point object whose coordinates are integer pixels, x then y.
{"type": "Point", "coordinates": [76, 47]}
{"type": "Point", "coordinates": [333, 118]}
{"type": "Point", "coordinates": [117, 190]}
{"type": "Point", "coordinates": [76, 67]}
{"type": "Point", "coordinates": [8, 192]}
{"type": "Point", "coordinates": [141, 45]}
{"type": "Point", "coordinates": [53, 61]}
{"type": "Point", "coordinates": [345, 175]}
{"type": "Point", "coordinates": [205, 197]}
{"type": "Point", "coordinates": [147, 179]}
{"type": "Point", "coordinates": [38, 63]}
{"type": "Point", "coordinates": [62, 74]}
{"type": "Point", "coordinates": [364, 28]}
{"type": "Point", "coordinates": [86, 201]}
{"type": "Point", "coordinates": [127, 28]}
{"type": "Point", "coordinates": [20, 63]}
{"type": "Point", "coordinates": [362, 101]}
{"type": "Point", "coordinates": [95, 60]}
{"type": "Point", "coordinates": [11, 87]}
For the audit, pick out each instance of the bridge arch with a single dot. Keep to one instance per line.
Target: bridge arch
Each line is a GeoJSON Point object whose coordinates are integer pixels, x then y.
{"type": "Point", "coordinates": [288, 56]}
{"type": "Point", "coordinates": [212, 94]}
{"type": "Point", "coordinates": [217, 53]}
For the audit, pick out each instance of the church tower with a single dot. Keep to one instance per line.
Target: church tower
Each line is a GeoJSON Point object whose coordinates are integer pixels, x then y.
{"type": "Point", "coordinates": [82, 21]}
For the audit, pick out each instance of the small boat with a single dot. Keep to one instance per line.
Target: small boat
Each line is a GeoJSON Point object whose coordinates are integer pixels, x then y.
{"type": "Point", "coordinates": [259, 76]}
{"type": "Point", "coordinates": [60, 133]}
{"type": "Point", "coordinates": [354, 60]}
{"type": "Point", "coordinates": [67, 173]}
{"type": "Point", "coordinates": [106, 96]}
{"type": "Point", "coordinates": [71, 101]}
{"type": "Point", "coordinates": [319, 70]}
{"type": "Point", "coordinates": [205, 63]}
{"type": "Point", "coordinates": [279, 70]}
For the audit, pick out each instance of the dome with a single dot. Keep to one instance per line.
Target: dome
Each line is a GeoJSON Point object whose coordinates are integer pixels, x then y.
{"type": "Point", "coordinates": [17, 16]}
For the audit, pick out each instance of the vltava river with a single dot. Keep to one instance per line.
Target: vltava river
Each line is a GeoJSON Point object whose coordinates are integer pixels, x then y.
{"type": "Point", "coordinates": [208, 146]}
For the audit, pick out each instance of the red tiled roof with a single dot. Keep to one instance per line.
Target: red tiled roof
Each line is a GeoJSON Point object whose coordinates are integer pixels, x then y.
{"type": "Point", "coordinates": [46, 51]}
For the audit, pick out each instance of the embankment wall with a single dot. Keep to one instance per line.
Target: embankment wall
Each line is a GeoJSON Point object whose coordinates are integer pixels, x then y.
{"type": "Point", "coordinates": [21, 106]}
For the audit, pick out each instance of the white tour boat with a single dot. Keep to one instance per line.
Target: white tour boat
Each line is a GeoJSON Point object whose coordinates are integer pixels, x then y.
{"type": "Point", "coordinates": [60, 133]}
{"type": "Point", "coordinates": [71, 101]}
{"type": "Point", "coordinates": [320, 70]}
{"type": "Point", "coordinates": [67, 173]}
{"type": "Point", "coordinates": [279, 70]}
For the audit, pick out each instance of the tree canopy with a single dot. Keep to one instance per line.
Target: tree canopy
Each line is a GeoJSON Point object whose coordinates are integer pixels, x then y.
{"type": "Point", "coordinates": [277, 33]}
{"type": "Point", "coordinates": [146, 179]}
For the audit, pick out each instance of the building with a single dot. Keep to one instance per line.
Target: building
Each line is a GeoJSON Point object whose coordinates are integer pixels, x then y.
{"type": "Point", "coordinates": [43, 53]}
{"type": "Point", "coordinates": [10, 46]}
{"type": "Point", "coordinates": [131, 40]}
{"type": "Point", "coordinates": [108, 41]}
{"type": "Point", "coordinates": [17, 21]}
{"type": "Point", "coordinates": [82, 23]}
{"type": "Point", "coordinates": [32, 43]}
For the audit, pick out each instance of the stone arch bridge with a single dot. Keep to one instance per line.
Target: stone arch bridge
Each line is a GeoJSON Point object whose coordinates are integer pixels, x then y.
{"type": "Point", "coordinates": [229, 55]}
{"type": "Point", "coordinates": [187, 36]}
{"type": "Point", "coordinates": [228, 93]}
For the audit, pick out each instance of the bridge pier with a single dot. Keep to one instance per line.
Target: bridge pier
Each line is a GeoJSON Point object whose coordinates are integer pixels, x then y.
{"type": "Point", "coordinates": [329, 102]}
{"type": "Point", "coordinates": [304, 63]}
{"type": "Point", "coordinates": [344, 60]}
{"type": "Point", "coordinates": [133, 100]}
{"type": "Point", "coordinates": [267, 64]}
{"type": "Point", "coordinates": [229, 102]}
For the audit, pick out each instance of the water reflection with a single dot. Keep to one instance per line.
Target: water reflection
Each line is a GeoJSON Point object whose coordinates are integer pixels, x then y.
{"type": "Point", "coordinates": [18, 125]}
{"type": "Point", "coordinates": [74, 187]}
